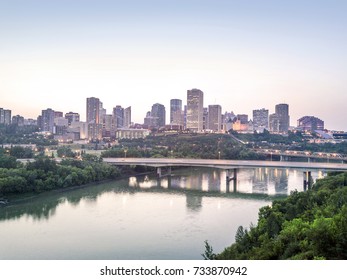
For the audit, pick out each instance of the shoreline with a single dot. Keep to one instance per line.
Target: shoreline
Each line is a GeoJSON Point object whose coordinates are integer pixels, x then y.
{"type": "Point", "coordinates": [13, 198]}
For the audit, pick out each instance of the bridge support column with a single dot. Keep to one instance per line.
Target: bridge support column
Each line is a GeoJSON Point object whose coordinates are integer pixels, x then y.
{"type": "Point", "coordinates": [231, 178]}
{"type": "Point", "coordinates": [307, 182]}
{"type": "Point", "coordinates": [308, 159]}
{"type": "Point", "coordinates": [281, 158]}
{"type": "Point", "coordinates": [159, 172]}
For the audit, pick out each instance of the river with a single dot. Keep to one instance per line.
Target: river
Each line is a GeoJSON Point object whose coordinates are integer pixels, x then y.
{"type": "Point", "coordinates": [141, 217]}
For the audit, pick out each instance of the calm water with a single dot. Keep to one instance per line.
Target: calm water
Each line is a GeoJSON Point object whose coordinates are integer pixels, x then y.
{"type": "Point", "coordinates": [141, 218]}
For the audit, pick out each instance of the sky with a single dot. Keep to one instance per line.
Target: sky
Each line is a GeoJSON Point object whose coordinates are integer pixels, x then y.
{"type": "Point", "coordinates": [243, 54]}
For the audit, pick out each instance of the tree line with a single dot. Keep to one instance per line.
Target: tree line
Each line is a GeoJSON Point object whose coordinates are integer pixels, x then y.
{"type": "Point", "coordinates": [305, 225]}
{"type": "Point", "coordinates": [46, 174]}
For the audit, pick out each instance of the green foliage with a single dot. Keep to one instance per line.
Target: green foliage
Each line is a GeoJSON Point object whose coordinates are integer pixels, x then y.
{"type": "Point", "coordinates": [306, 225]}
{"type": "Point", "coordinates": [45, 174]}
{"type": "Point", "coordinates": [64, 151]}
{"type": "Point", "coordinates": [207, 146]}
{"type": "Point", "coordinates": [208, 254]}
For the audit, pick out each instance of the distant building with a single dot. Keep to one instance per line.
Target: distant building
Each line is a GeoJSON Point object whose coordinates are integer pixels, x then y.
{"type": "Point", "coordinates": [93, 110]}
{"type": "Point", "coordinates": [158, 111]}
{"type": "Point", "coordinates": [108, 126]}
{"type": "Point", "coordinates": [205, 119]}
{"type": "Point", "coordinates": [260, 120]}
{"type": "Point", "coordinates": [175, 110]}
{"type": "Point", "coordinates": [215, 117]}
{"type": "Point", "coordinates": [279, 121]}
{"type": "Point", "coordinates": [195, 110]}
{"type": "Point", "coordinates": [47, 120]}
{"type": "Point", "coordinates": [18, 120]}
{"type": "Point", "coordinates": [127, 117]}
{"type": "Point", "coordinates": [118, 115]}
{"type": "Point", "coordinates": [130, 133]}
{"type": "Point", "coordinates": [310, 123]}
{"type": "Point", "coordinates": [58, 114]}
{"type": "Point", "coordinates": [81, 128]}
{"type": "Point", "coordinates": [5, 116]}
{"type": "Point", "coordinates": [72, 117]}
{"type": "Point", "coordinates": [243, 118]}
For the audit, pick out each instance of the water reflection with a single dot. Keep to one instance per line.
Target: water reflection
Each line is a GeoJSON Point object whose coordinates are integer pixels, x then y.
{"type": "Point", "coordinates": [193, 183]}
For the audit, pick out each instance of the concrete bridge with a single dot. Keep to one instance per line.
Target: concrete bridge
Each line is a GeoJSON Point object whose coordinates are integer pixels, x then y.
{"type": "Point", "coordinates": [231, 166]}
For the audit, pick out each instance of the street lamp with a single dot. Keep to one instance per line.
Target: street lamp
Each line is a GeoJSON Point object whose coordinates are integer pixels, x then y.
{"type": "Point", "coordinates": [218, 154]}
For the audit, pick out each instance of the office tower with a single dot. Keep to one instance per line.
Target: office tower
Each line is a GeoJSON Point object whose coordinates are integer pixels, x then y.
{"type": "Point", "coordinates": [260, 120]}
{"type": "Point", "coordinates": [108, 126]}
{"type": "Point", "coordinates": [205, 119]}
{"type": "Point", "coordinates": [310, 123]}
{"type": "Point", "coordinates": [158, 111]}
{"type": "Point", "coordinates": [127, 117]}
{"type": "Point", "coordinates": [93, 118]}
{"type": "Point", "coordinates": [214, 117]}
{"type": "Point", "coordinates": [118, 115]}
{"type": "Point", "coordinates": [72, 117]}
{"type": "Point", "coordinates": [5, 116]}
{"type": "Point", "coordinates": [47, 120]}
{"type": "Point", "coordinates": [93, 110]}
{"type": "Point", "coordinates": [195, 109]}
{"type": "Point", "coordinates": [18, 120]}
{"type": "Point", "coordinates": [175, 110]}
{"type": "Point", "coordinates": [279, 121]}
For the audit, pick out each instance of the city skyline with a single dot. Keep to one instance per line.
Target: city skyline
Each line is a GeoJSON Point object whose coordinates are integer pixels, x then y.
{"type": "Point", "coordinates": [243, 55]}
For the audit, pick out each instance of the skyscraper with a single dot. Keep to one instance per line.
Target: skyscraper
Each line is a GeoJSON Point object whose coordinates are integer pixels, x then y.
{"type": "Point", "coordinates": [195, 109]}
{"type": "Point", "coordinates": [5, 116]}
{"type": "Point", "coordinates": [47, 120]}
{"type": "Point", "coordinates": [93, 118]}
{"type": "Point", "coordinates": [127, 117]}
{"type": "Point", "coordinates": [158, 110]}
{"type": "Point", "coordinates": [279, 121]}
{"type": "Point", "coordinates": [260, 120]}
{"type": "Point", "coordinates": [214, 117]}
{"type": "Point", "coordinates": [93, 110]}
{"type": "Point", "coordinates": [175, 110]}
{"type": "Point", "coordinates": [118, 115]}
{"type": "Point", "coordinates": [282, 112]}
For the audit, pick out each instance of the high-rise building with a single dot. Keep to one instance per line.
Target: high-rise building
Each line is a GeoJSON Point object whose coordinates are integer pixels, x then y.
{"type": "Point", "coordinates": [5, 116]}
{"type": "Point", "coordinates": [158, 111]}
{"type": "Point", "coordinates": [310, 123]}
{"type": "Point", "coordinates": [18, 120]}
{"type": "Point", "coordinates": [72, 117]}
{"type": "Point", "coordinates": [195, 109]}
{"type": "Point", "coordinates": [47, 120]}
{"type": "Point", "coordinates": [93, 118]}
{"type": "Point", "coordinates": [260, 120]}
{"type": "Point", "coordinates": [127, 117]}
{"type": "Point", "coordinates": [118, 115]}
{"type": "Point", "coordinates": [108, 126]}
{"type": "Point", "coordinates": [282, 112]}
{"type": "Point", "coordinates": [214, 117]}
{"type": "Point", "coordinates": [175, 110]}
{"type": "Point", "coordinates": [274, 123]}
{"type": "Point", "coordinates": [93, 110]}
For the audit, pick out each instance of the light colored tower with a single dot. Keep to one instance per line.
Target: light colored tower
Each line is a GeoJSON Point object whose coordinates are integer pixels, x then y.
{"type": "Point", "coordinates": [214, 117]}
{"type": "Point", "coordinates": [93, 118]}
{"type": "Point", "coordinates": [261, 120]}
{"type": "Point", "coordinates": [93, 110]}
{"type": "Point", "coordinates": [127, 117]}
{"type": "Point", "coordinates": [195, 109]}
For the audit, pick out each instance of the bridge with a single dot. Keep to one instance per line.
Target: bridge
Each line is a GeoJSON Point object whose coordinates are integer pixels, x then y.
{"type": "Point", "coordinates": [284, 155]}
{"type": "Point", "coordinates": [228, 165]}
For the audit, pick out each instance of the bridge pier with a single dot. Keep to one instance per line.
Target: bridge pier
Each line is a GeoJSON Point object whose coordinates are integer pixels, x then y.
{"type": "Point", "coordinates": [160, 174]}
{"type": "Point", "coordinates": [231, 178]}
{"type": "Point", "coordinates": [307, 180]}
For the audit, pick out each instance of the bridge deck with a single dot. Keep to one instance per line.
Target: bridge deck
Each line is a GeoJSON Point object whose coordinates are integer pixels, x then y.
{"type": "Point", "coordinates": [226, 164]}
